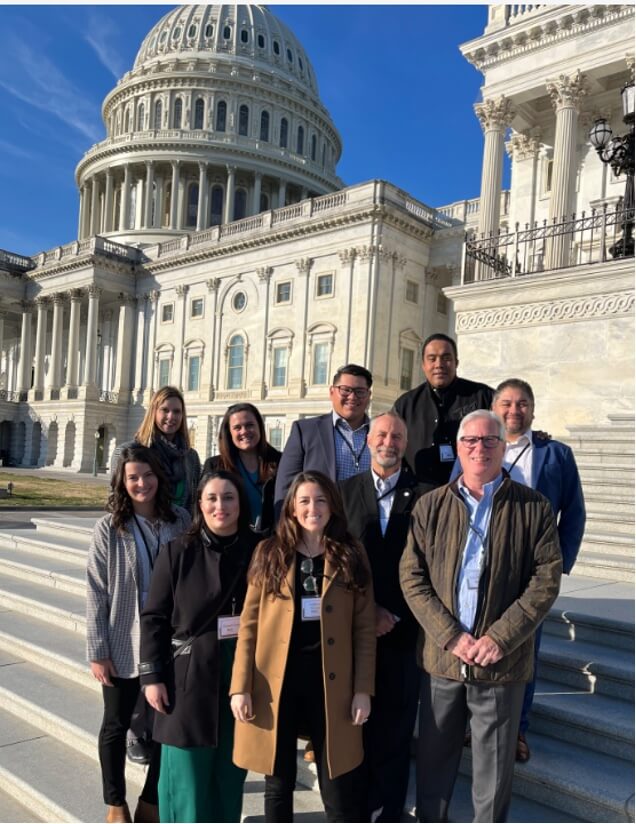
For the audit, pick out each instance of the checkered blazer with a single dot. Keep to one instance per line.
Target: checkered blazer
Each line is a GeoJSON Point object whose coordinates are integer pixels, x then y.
{"type": "Point", "coordinates": [112, 594]}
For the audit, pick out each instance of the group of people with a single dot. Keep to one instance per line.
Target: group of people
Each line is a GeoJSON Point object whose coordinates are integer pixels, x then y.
{"type": "Point", "coordinates": [376, 565]}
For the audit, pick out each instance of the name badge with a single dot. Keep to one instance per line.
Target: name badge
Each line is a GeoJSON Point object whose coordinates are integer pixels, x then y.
{"type": "Point", "coordinates": [446, 453]}
{"type": "Point", "coordinates": [472, 579]}
{"type": "Point", "coordinates": [228, 626]}
{"type": "Point", "coordinates": [310, 609]}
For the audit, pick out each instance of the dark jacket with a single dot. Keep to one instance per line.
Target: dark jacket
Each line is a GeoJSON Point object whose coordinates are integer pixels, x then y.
{"type": "Point", "coordinates": [519, 584]}
{"type": "Point", "coordinates": [432, 418]}
{"type": "Point", "coordinates": [187, 586]}
{"type": "Point", "coordinates": [273, 456]}
{"type": "Point", "coordinates": [384, 551]}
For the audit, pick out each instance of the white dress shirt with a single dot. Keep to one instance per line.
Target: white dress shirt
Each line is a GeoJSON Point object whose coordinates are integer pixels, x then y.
{"type": "Point", "coordinates": [518, 458]}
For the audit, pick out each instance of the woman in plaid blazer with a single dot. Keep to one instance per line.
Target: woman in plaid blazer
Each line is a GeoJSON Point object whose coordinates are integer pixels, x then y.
{"type": "Point", "coordinates": [125, 544]}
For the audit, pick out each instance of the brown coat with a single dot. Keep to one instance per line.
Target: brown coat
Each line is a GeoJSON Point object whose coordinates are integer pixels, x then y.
{"type": "Point", "coordinates": [519, 584]}
{"type": "Point", "coordinates": [347, 622]}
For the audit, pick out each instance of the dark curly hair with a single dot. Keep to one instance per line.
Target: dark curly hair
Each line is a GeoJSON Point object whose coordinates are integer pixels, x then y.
{"type": "Point", "coordinates": [120, 504]}
{"type": "Point", "coordinates": [229, 455]}
{"type": "Point", "coordinates": [273, 557]}
{"type": "Point", "coordinates": [244, 507]}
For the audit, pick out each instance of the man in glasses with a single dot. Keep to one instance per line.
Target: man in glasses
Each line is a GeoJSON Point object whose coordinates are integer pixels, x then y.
{"type": "Point", "coordinates": [335, 443]}
{"type": "Point", "coordinates": [432, 411]}
{"type": "Point", "coordinates": [481, 568]}
{"type": "Point", "coordinates": [378, 505]}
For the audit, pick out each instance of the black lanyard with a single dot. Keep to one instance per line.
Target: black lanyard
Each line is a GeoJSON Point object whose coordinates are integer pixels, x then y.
{"type": "Point", "coordinates": [151, 559]}
{"type": "Point", "coordinates": [356, 458]}
{"type": "Point", "coordinates": [514, 463]}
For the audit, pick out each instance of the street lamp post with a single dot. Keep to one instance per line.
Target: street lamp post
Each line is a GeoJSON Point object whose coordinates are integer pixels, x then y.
{"type": "Point", "coordinates": [96, 436]}
{"type": "Point", "coordinates": [618, 152]}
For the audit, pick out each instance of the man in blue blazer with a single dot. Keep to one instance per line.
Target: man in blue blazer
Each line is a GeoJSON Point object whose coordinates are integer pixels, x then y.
{"type": "Point", "coordinates": [334, 444]}
{"type": "Point", "coordinates": [549, 467]}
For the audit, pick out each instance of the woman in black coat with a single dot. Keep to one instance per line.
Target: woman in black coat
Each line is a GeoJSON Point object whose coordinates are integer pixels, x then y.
{"type": "Point", "coordinates": [198, 588]}
{"type": "Point", "coordinates": [243, 449]}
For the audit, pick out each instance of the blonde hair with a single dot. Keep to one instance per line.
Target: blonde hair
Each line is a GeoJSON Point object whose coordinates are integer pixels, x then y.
{"type": "Point", "coordinates": [147, 431]}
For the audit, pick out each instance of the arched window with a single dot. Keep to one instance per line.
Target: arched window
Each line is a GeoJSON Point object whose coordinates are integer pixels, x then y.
{"type": "Point", "coordinates": [235, 362]}
{"type": "Point", "coordinates": [199, 108]}
{"type": "Point", "coordinates": [244, 117]}
{"type": "Point", "coordinates": [245, 36]}
{"type": "Point", "coordinates": [221, 115]}
{"type": "Point", "coordinates": [284, 128]}
{"type": "Point", "coordinates": [227, 32]}
{"type": "Point", "coordinates": [265, 126]}
{"type": "Point", "coordinates": [140, 117]}
{"type": "Point", "coordinates": [264, 205]}
{"type": "Point", "coordinates": [127, 121]}
{"type": "Point", "coordinates": [216, 206]}
{"type": "Point", "coordinates": [314, 147]}
{"type": "Point", "coordinates": [300, 142]}
{"type": "Point", "coordinates": [158, 112]}
{"type": "Point", "coordinates": [178, 113]}
{"type": "Point", "coordinates": [324, 150]}
{"type": "Point", "coordinates": [167, 199]}
{"type": "Point", "coordinates": [193, 204]}
{"type": "Point", "coordinates": [240, 204]}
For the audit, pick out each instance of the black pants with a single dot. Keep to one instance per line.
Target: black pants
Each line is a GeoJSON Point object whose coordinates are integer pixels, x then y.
{"type": "Point", "coordinates": [389, 731]}
{"type": "Point", "coordinates": [119, 704]}
{"type": "Point", "coordinates": [302, 707]}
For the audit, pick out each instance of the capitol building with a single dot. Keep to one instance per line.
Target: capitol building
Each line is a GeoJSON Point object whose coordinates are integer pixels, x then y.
{"type": "Point", "coordinates": [218, 250]}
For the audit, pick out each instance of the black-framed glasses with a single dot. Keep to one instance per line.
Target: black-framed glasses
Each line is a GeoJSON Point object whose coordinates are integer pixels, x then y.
{"type": "Point", "coordinates": [489, 441]}
{"type": "Point", "coordinates": [358, 391]}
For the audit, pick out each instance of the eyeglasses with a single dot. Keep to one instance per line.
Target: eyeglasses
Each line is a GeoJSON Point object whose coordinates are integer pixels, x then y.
{"type": "Point", "coordinates": [471, 441]}
{"type": "Point", "coordinates": [310, 583]}
{"type": "Point", "coordinates": [358, 391]}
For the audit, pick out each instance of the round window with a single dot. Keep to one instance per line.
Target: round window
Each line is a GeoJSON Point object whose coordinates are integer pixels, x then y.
{"type": "Point", "coordinates": [239, 301]}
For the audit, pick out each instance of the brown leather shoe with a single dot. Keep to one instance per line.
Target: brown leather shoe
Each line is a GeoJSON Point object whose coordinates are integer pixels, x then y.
{"type": "Point", "coordinates": [146, 813]}
{"type": "Point", "coordinates": [523, 750]}
{"type": "Point", "coordinates": [118, 815]}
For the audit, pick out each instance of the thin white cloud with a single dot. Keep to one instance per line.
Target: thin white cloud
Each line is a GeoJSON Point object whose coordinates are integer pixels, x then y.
{"type": "Point", "coordinates": [30, 76]}
{"type": "Point", "coordinates": [7, 148]}
{"type": "Point", "coordinates": [100, 35]}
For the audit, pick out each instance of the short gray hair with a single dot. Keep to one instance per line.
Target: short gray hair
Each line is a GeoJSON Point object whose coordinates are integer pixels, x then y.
{"type": "Point", "coordinates": [486, 414]}
{"type": "Point", "coordinates": [391, 413]}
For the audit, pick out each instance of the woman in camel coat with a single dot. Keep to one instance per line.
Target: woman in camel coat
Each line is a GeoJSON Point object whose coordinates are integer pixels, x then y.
{"type": "Point", "coordinates": [324, 670]}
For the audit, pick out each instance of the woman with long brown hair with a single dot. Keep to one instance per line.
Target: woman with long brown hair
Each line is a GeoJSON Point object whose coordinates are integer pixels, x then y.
{"type": "Point", "coordinates": [243, 449]}
{"type": "Point", "coordinates": [305, 658]}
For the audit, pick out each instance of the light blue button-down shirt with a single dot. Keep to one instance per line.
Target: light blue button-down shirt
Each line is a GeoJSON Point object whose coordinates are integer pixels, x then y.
{"type": "Point", "coordinates": [352, 452]}
{"type": "Point", "coordinates": [474, 556]}
{"type": "Point", "coordinates": [385, 493]}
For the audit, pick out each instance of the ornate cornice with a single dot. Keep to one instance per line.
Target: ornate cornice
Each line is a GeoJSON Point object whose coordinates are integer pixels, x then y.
{"type": "Point", "coordinates": [567, 92]}
{"type": "Point", "coordinates": [495, 114]}
{"type": "Point", "coordinates": [551, 311]}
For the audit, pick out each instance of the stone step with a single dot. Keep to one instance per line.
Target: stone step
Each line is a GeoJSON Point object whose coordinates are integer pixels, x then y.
{"type": "Point", "coordinates": [587, 667]}
{"type": "Point", "coordinates": [614, 454]}
{"type": "Point", "coordinates": [53, 606]}
{"type": "Point", "coordinates": [621, 476]}
{"type": "Point", "coordinates": [591, 720]}
{"type": "Point", "coordinates": [622, 506]}
{"type": "Point", "coordinates": [614, 543]}
{"type": "Point", "coordinates": [609, 524]}
{"type": "Point", "coordinates": [28, 541]}
{"type": "Point", "coordinates": [12, 807]}
{"type": "Point", "coordinates": [605, 565]}
{"type": "Point", "coordinates": [32, 567]}
{"type": "Point", "coordinates": [575, 628]}
{"type": "Point", "coordinates": [607, 488]}
{"type": "Point", "coordinates": [78, 530]}
{"type": "Point", "coordinates": [590, 785]}
{"type": "Point", "coordinates": [584, 435]}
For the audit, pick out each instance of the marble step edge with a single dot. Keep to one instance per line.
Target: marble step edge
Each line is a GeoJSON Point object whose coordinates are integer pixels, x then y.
{"type": "Point", "coordinates": [74, 621]}
{"type": "Point", "coordinates": [75, 671]}
{"type": "Point", "coordinates": [44, 577]}
{"type": "Point", "coordinates": [40, 546]}
{"type": "Point", "coordinates": [54, 526]}
{"type": "Point", "coordinates": [42, 808]}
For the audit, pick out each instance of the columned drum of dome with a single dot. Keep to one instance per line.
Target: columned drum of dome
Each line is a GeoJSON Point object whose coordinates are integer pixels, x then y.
{"type": "Point", "coordinates": [205, 129]}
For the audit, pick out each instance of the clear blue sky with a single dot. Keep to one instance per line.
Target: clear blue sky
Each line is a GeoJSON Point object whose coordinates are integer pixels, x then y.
{"type": "Point", "coordinates": [392, 78]}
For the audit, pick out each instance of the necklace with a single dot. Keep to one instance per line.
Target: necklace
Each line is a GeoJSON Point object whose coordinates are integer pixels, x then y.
{"type": "Point", "coordinates": [309, 553]}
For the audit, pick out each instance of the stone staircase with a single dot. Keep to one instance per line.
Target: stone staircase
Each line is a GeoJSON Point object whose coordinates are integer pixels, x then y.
{"type": "Point", "coordinates": [582, 733]}
{"type": "Point", "coordinates": [605, 457]}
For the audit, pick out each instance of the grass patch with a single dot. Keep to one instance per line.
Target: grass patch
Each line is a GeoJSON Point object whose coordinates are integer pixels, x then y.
{"type": "Point", "coordinates": [31, 490]}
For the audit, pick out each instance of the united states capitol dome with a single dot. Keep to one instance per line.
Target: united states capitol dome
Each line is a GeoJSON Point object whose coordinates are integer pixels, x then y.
{"type": "Point", "coordinates": [219, 119]}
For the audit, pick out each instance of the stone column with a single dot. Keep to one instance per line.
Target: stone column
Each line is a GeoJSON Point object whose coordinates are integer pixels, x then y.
{"type": "Point", "coordinates": [182, 293]}
{"type": "Point", "coordinates": [566, 94]}
{"type": "Point", "coordinates": [42, 304]}
{"type": "Point", "coordinates": [90, 374]}
{"type": "Point", "coordinates": [3, 316]}
{"type": "Point", "coordinates": [212, 348]}
{"type": "Point", "coordinates": [123, 201]}
{"type": "Point", "coordinates": [201, 206]}
{"type": "Point", "coordinates": [300, 384]}
{"type": "Point", "coordinates": [228, 211]}
{"type": "Point", "coordinates": [256, 197]}
{"type": "Point", "coordinates": [141, 347]}
{"type": "Point", "coordinates": [72, 358]}
{"type": "Point", "coordinates": [108, 202]}
{"type": "Point", "coordinates": [282, 191]}
{"type": "Point", "coordinates": [95, 208]}
{"type": "Point", "coordinates": [174, 194]}
{"type": "Point", "coordinates": [150, 364]}
{"type": "Point", "coordinates": [82, 214]}
{"type": "Point", "coordinates": [348, 259]}
{"type": "Point", "coordinates": [150, 176]}
{"type": "Point", "coordinates": [54, 378]}
{"type": "Point", "coordinates": [495, 117]}
{"type": "Point", "coordinates": [523, 149]}
{"type": "Point", "coordinates": [264, 277]}
{"type": "Point", "coordinates": [124, 344]}
{"type": "Point", "coordinates": [86, 217]}
{"type": "Point", "coordinates": [24, 365]}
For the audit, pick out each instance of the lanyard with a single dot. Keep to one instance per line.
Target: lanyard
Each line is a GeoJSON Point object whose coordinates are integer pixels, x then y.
{"type": "Point", "coordinates": [356, 457]}
{"type": "Point", "coordinates": [151, 558]}
{"type": "Point", "coordinates": [514, 463]}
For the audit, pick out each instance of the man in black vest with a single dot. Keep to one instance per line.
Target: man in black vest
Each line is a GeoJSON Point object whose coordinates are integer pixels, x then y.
{"type": "Point", "coordinates": [432, 411]}
{"type": "Point", "coordinates": [378, 506]}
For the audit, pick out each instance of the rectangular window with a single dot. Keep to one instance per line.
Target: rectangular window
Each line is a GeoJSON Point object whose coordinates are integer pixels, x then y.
{"type": "Point", "coordinates": [283, 292]}
{"type": "Point", "coordinates": [196, 307]}
{"type": "Point", "coordinates": [320, 367]}
{"type": "Point", "coordinates": [167, 313]}
{"type": "Point", "coordinates": [279, 369]}
{"type": "Point", "coordinates": [412, 291]}
{"type": "Point", "coordinates": [164, 372]}
{"type": "Point", "coordinates": [324, 285]}
{"type": "Point", "coordinates": [406, 370]}
{"type": "Point", "coordinates": [275, 436]}
{"type": "Point", "coordinates": [194, 370]}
